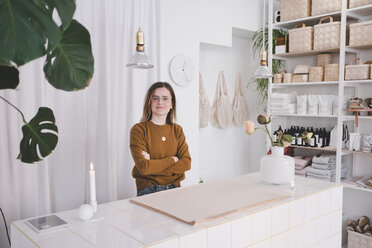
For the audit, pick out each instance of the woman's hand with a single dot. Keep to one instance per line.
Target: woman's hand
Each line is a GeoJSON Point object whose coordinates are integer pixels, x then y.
{"type": "Point", "coordinates": [146, 155]}
{"type": "Point", "coordinates": [175, 158]}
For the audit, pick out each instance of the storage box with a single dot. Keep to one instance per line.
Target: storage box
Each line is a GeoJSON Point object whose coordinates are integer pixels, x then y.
{"type": "Point", "coordinates": [325, 6]}
{"type": "Point", "coordinates": [361, 34]}
{"type": "Point", "coordinates": [358, 240]}
{"type": "Point", "coordinates": [323, 59]}
{"type": "Point", "coordinates": [357, 3]}
{"type": "Point", "coordinates": [331, 72]}
{"type": "Point", "coordinates": [357, 71]}
{"type": "Point", "coordinates": [280, 49]}
{"type": "Point", "coordinates": [327, 35]}
{"type": "Point", "coordinates": [301, 38]}
{"type": "Point", "coordinates": [294, 9]}
{"type": "Point", "coordinates": [300, 78]}
{"type": "Point", "coordinates": [316, 74]}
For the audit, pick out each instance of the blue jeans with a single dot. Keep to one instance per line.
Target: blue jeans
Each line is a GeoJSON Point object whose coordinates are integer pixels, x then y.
{"type": "Point", "coordinates": [154, 188]}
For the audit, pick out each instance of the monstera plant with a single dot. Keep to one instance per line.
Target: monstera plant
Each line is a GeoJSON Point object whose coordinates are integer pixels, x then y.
{"type": "Point", "coordinates": [29, 31]}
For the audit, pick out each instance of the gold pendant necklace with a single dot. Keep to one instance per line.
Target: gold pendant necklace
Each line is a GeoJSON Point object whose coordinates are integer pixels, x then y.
{"type": "Point", "coordinates": [163, 138]}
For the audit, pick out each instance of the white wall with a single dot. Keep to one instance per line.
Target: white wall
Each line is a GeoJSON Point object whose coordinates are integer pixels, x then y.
{"type": "Point", "coordinates": [229, 152]}
{"type": "Point", "coordinates": [183, 25]}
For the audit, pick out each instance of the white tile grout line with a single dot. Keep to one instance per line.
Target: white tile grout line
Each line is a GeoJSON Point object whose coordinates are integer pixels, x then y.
{"type": "Point", "coordinates": [81, 237]}
{"type": "Point", "coordinates": [127, 234]}
{"type": "Point", "coordinates": [32, 241]}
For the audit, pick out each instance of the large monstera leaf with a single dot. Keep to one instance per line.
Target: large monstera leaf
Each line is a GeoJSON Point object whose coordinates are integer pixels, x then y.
{"type": "Point", "coordinates": [39, 136]}
{"type": "Point", "coordinates": [65, 9]}
{"type": "Point", "coordinates": [25, 28]}
{"type": "Point", "coordinates": [9, 77]}
{"type": "Point", "coordinates": [70, 65]}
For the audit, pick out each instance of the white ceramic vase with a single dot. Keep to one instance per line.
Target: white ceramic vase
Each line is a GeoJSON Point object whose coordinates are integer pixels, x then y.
{"type": "Point", "coordinates": [278, 168]}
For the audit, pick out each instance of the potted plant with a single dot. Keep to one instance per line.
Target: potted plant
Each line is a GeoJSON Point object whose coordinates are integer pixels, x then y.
{"type": "Point", "coordinates": [256, 41]}
{"type": "Point", "coordinates": [28, 32]}
{"type": "Point", "coordinates": [276, 168]}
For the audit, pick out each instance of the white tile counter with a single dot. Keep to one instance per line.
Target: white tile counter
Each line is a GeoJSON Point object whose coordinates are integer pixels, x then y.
{"type": "Point", "coordinates": [311, 218]}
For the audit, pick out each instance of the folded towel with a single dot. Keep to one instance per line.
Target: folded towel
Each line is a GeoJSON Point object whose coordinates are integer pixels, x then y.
{"type": "Point", "coordinates": [280, 96]}
{"type": "Point", "coordinates": [324, 159]}
{"type": "Point", "coordinates": [300, 172]}
{"type": "Point", "coordinates": [320, 172]}
{"type": "Point", "coordinates": [302, 162]}
{"type": "Point", "coordinates": [327, 166]}
{"type": "Point", "coordinates": [279, 104]}
{"type": "Point", "coordinates": [330, 179]}
{"type": "Point", "coordinates": [291, 111]}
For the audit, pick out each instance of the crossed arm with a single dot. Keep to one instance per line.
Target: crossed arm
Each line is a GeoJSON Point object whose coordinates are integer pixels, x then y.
{"type": "Point", "coordinates": [165, 166]}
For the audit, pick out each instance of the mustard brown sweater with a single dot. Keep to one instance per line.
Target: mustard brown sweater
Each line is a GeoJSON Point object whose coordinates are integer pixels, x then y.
{"type": "Point", "coordinates": [161, 168]}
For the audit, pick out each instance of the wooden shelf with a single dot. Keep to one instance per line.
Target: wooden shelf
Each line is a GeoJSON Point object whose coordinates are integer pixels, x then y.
{"type": "Point", "coordinates": [308, 116]}
{"type": "Point", "coordinates": [357, 82]}
{"type": "Point", "coordinates": [329, 149]}
{"type": "Point", "coordinates": [357, 117]}
{"type": "Point", "coordinates": [304, 84]}
{"type": "Point", "coordinates": [307, 53]}
{"type": "Point", "coordinates": [309, 21]}
{"type": "Point", "coordinates": [350, 186]}
{"type": "Point", "coordinates": [325, 149]}
{"type": "Point", "coordinates": [363, 47]}
{"type": "Point", "coordinates": [358, 12]}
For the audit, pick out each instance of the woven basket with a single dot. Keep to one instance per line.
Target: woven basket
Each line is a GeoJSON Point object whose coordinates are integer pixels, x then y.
{"type": "Point", "coordinates": [361, 33]}
{"type": "Point", "coordinates": [358, 240]}
{"type": "Point", "coordinates": [294, 9]}
{"type": "Point", "coordinates": [325, 6]}
{"type": "Point", "coordinates": [327, 35]}
{"type": "Point", "coordinates": [357, 3]}
{"type": "Point", "coordinates": [301, 69]}
{"type": "Point", "coordinates": [331, 72]}
{"type": "Point", "coordinates": [316, 74]}
{"type": "Point", "coordinates": [300, 78]}
{"type": "Point", "coordinates": [301, 39]}
{"type": "Point", "coordinates": [287, 78]}
{"type": "Point", "coordinates": [358, 71]}
{"type": "Point", "coordinates": [278, 78]}
{"type": "Point", "coordinates": [323, 59]}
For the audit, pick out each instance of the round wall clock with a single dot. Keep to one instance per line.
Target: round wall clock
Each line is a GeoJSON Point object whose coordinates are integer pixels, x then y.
{"type": "Point", "coordinates": [181, 70]}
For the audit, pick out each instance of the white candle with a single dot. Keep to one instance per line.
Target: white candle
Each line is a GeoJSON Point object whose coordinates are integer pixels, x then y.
{"type": "Point", "coordinates": [92, 181]}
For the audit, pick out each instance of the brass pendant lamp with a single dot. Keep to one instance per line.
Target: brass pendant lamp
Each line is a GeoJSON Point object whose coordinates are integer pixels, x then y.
{"type": "Point", "coordinates": [139, 59]}
{"type": "Point", "coordinates": [263, 71]}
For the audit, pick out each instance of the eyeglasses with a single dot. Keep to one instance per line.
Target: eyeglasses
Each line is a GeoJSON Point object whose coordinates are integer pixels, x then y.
{"type": "Point", "coordinates": [164, 99]}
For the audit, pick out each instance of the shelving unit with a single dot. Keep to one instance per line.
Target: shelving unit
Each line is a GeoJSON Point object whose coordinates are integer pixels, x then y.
{"type": "Point", "coordinates": [305, 116]}
{"type": "Point", "coordinates": [362, 13]}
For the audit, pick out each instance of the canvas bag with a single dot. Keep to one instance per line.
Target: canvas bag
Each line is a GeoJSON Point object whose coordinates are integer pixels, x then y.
{"type": "Point", "coordinates": [222, 114]}
{"type": "Point", "coordinates": [204, 105]}
{"type": "Point", "coordinates": [240, 105]}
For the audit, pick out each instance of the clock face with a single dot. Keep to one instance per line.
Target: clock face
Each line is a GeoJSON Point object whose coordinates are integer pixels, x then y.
{"type": "Point", "coordinates": [181, 70]}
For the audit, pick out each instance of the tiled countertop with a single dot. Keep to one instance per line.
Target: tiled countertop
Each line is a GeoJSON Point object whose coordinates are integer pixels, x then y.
{"type": "Point", "coordinates": [311, 218]}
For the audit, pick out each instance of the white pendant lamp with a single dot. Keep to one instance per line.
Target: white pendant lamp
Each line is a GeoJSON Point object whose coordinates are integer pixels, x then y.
{"type": "Point", "coordinates": [139, 59]}
{"type": "Point", "coordinates": [263, 71]}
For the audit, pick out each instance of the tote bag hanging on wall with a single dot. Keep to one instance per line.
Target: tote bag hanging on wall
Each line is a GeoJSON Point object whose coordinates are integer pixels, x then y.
{"type": "Point", "coordinates": [204, 105]}
{"type": "Point", "coordinates": [222, 114]}
{"type": "Point", "coordinates": [240, 105]}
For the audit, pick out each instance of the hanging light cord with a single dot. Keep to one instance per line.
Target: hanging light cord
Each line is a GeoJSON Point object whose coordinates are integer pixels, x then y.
{"type": "Point", "coordinates": [263, 25]}
{"type": "Point", "coordinates": [139, 13]}
{"type": "Point", "coordinates": [6, 227]}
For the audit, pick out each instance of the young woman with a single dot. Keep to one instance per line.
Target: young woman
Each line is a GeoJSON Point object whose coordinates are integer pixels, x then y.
{"type": "Point", "coordinates": [158, 145]}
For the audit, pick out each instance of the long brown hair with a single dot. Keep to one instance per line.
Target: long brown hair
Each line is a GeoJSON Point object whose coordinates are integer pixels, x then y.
{"type": "Point", "coordinates": [147, 113]}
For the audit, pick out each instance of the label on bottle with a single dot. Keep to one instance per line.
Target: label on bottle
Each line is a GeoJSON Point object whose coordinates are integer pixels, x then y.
{"type": "Point", "coordinates": [293, 142]}
{"type": "Point", "coordinates": [320, 143]}
{"type": "Point", "coordinates": [312, 142]}
{"type": "Point", "coordinates": [299, 141]}
{"type": "Point", "coordinates": [274, 138]}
